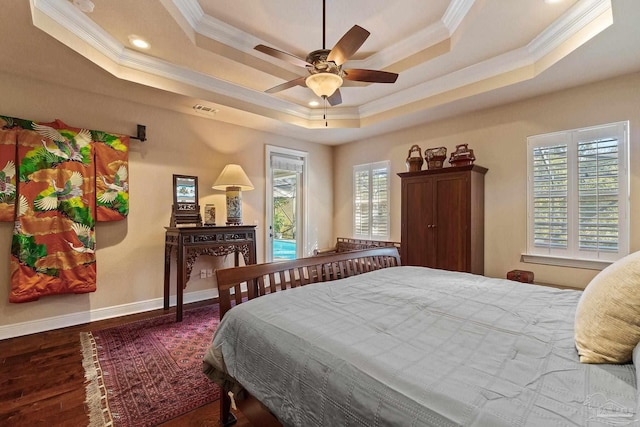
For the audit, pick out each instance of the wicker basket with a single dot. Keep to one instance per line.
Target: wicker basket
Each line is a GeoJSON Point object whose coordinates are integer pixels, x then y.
{"type": "Point", "coordinates": [414, 163]}
{"type": "Point", "coordinates": [435, 157]}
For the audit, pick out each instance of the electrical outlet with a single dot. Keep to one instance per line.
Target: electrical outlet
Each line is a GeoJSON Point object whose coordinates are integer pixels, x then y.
{"type": "Point", "coordinates": [209, 273]}
{"type": "Point", "coordinates": [203, 274]}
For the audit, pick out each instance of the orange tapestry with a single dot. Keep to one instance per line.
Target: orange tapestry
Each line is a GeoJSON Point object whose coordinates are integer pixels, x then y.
{"type": "Point", "coordinates": [112, 186]}
{"type": "Point", "coordinates": [8, 138]}
{"type": "Point", "coordinates": [57, 202]}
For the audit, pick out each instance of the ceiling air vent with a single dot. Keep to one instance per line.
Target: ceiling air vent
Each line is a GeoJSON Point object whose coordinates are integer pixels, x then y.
{"type": "Point", "coordinates": [205, 109]}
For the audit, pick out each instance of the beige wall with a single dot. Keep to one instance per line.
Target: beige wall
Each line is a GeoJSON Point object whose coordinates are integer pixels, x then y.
{"type": "Point", "coordinates": [130, 253]}
{"type": "Point", "coordinates": [498, 138]}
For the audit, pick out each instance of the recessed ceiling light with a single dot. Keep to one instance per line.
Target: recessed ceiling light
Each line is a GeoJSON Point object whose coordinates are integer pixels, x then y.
{"type": "Point", "coordinates": [313, 103]}
{"type": "Point", "coordinates": [139, 42]}
{"type": "Point", "coordinates": [552, 1]}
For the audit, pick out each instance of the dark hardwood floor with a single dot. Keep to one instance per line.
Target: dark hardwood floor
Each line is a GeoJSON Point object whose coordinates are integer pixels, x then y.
{"type": "Point", "coordinates": [42, 379]}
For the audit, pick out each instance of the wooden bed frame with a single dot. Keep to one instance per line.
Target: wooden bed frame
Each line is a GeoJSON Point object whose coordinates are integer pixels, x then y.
{"type": "Point", "coordinates": [344, 244]}
{"type": "Point", "coordinates": [262, 279]}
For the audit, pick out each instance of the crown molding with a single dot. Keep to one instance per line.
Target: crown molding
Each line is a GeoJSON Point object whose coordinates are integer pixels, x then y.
{"type": "Point", "coordinates": [482, 71]}
{"type": "Point", "coordinates": [222, 32]}
{"type": "Point", "coordinates": [455, 14]}
{"type": "Point", "coordinates": [215, 29]}
{"type": "Point", "coordinates": [63, 21]}
{"type": "Point", "coordinates": [191, 11]}
{"type": "Point", "coordinates": [229, 35]}
{"type": "Point", "coordinates": [568, 25]}
{"type": "Point", "coordinates": [76, 22]}
{"type": "Point", "coordinates": [68, 17]}
{"type": "Point", "coordinates": [419, 41]}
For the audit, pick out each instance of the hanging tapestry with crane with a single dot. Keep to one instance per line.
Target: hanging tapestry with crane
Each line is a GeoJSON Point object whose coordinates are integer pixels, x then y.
{"type": "Point", "coordinates": [57, 182]}
{"type": "Point", "coordinates": [8, 140]}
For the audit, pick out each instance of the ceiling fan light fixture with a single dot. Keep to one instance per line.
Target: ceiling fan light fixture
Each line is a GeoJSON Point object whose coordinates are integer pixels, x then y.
{"type": "Point", "coordinates": [323, 84]}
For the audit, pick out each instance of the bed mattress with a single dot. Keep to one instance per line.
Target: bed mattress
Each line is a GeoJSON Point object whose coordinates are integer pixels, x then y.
{"type": "Point", "coordinates": [413, 346]}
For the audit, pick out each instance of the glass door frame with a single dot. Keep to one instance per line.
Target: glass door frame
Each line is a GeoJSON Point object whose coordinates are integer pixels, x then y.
{"type": "Point", "coordinates": [301, 216]}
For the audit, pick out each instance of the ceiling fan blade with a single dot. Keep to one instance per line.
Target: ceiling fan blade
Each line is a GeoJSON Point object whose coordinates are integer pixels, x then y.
{"type": "Point", "coordinates": [335, 99]}
{"type": "Point", "coordinates": [282, 55]}
{"type": "Point", "coordinates": [353, 83]}
{"type": "Point", "coordinates": [348, 45]}
{"type": "Point", "coordinates": [286, 85]}
{"type": "Point", "coordinates": [371, 76]}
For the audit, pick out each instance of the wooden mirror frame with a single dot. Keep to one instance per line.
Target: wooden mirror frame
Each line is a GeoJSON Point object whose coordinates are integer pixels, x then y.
{"type": "Point", "coordinates": [185, 211]}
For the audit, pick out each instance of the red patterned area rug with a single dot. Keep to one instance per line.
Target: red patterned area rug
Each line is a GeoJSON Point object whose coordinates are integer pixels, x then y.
{"type": "Point", "coordinates": [150, 371]}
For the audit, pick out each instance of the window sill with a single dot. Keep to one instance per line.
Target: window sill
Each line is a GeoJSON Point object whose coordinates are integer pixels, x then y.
{"type": "Point", "coordinates": [590, 264]}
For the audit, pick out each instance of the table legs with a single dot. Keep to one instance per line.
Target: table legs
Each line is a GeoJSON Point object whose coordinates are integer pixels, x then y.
{"type": "Point", "coordinates": [248, 253]}
{"type": "Point", "coordinates": [181, 278]}
{"type": "Point", "coordinates": [167, 275]}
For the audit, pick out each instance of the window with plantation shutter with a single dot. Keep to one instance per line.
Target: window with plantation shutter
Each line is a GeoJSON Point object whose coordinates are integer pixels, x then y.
{"type": "Point", "coordinates": [550, 197]}
{"type": "Point", "coordinates": [578, 194]}
{"type": "Point", "coordinates": [371, 201]}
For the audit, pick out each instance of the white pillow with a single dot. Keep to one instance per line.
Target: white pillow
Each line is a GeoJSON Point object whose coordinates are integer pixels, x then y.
{"type": "Point", "coordinates": [636, 364]}
{"type": "Point", "coordinates": [607, 326]}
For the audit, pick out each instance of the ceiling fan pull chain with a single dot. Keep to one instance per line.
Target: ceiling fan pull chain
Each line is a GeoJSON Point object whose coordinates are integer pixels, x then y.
{"type": "Point", "coordinates": [324, 116]}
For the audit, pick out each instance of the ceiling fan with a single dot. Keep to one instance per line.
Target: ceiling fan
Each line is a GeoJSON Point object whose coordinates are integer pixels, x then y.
{"type": "Point", "coordinates": [326, 74]}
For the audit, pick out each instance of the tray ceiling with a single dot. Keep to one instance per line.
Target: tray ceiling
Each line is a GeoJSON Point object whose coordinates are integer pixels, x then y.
{"type": "Point", "coordinates": [452, 56]}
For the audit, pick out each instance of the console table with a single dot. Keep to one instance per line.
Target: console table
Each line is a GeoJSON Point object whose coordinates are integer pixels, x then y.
{"type": "Point", "coordinates": [190, 242]}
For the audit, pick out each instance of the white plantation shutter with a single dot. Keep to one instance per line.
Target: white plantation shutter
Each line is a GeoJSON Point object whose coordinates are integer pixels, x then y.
{"type": "Point", "coordinates": [362, 213]}
{"type": "Point", "coordinates": [598, 189]}
{"type": "Point", "coordinates": [380, 201]}
{"type": "Point", "coordinates": [578, 193]}
{"type": "Point", "coordinates": [371, 201]}
{"type": "Point", "coordinates": [550, 197]}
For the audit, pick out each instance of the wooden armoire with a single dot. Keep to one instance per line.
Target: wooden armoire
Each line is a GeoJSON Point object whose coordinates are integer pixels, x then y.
{"type": "Point", "coordinates": [443, 218]}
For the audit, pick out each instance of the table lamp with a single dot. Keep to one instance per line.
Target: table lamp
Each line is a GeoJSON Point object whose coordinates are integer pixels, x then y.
{"type": "Point", "coordinates": [233, 181]}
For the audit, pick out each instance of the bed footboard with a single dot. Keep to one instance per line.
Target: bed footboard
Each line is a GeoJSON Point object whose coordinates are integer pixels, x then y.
{"type": "Point", "coordinates": [266, 278]}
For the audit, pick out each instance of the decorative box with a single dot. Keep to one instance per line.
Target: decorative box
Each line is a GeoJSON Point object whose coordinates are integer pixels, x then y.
{"type": "Point", "coordinates": [463, 156]}
{"type": "Point", "coordinates": [523, 276]}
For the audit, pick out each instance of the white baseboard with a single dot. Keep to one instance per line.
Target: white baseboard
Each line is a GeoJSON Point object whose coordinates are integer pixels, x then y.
{"type": "Point", "coordinates": [56, 322]}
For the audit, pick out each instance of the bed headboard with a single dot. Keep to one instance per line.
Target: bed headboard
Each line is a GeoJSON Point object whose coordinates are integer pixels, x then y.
{"type": "Point", "coordinates": [266, 278]}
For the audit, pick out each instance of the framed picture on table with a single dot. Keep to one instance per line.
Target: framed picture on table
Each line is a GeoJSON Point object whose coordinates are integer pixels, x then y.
{"type": "Point", "coordinates": [210, 215]}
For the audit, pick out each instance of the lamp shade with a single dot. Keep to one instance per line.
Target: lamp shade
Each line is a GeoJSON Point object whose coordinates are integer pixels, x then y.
{"type": "Point", "coordinates": [233, 176]}
{"type": "Point", "coordinates": [323, 84]}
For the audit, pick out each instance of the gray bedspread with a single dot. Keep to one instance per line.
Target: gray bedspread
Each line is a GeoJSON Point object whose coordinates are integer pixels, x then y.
{"type": "Point", "coordinates": [412, 346]}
